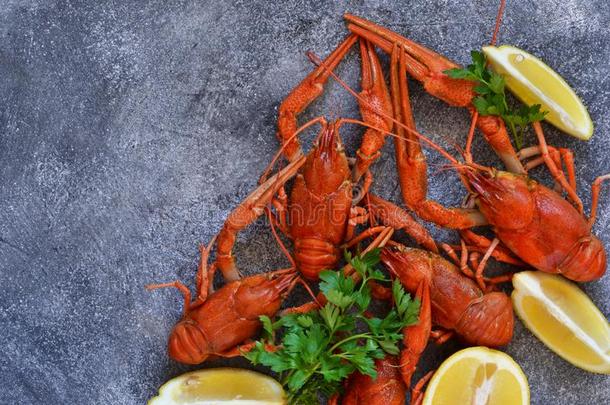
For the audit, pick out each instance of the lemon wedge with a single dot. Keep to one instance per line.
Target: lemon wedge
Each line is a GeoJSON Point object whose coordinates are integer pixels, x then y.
{"type": "Point", "coordinates": [564, 318]}
{"type": "Point", "coordinates": [533, 82]}
{"type": "Point", "coordinates": [478, 376]}
{"type": "Point", "coordinates": [220, 386]}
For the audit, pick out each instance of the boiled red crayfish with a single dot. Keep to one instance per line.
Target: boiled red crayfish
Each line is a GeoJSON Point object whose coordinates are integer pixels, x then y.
{"type": "Point", "coordinates": [386, 389]}
{"type": "Point", "coordinates": [217, 323]}
{"type": "Point", "coordinates": [450, 300]}
{"type": "Point", "coordinates": [319, 215]}
{"type": "Point", "coordinates": [534, 222]}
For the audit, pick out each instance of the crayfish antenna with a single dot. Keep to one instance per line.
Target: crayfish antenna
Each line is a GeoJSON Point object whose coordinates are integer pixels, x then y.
{"type": "Point", "coordinates": [246, 213]}
{"type": "Point", "coordinates": [280, 152]}
{"type": "Point", "coordinates": [309, 89]}
{"type": "Point", "coordinates": [317, 61]}
{"type": "Point", "coordinates": [313, 296]}
{"type": "Point", "coordinates": [494, 36]}
{"type": "Point", "coordinates": [278, 239]}
{"type": "Point", "coordinates": [186, 293]}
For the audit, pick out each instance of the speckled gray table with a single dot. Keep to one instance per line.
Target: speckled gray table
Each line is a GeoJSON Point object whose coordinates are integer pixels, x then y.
{"type": "Point", "coordinates": [128, 130]}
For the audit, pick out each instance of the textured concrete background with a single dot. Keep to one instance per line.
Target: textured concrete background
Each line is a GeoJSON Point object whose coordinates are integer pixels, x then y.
{"type": "Point", "coordinates": [128, 130]}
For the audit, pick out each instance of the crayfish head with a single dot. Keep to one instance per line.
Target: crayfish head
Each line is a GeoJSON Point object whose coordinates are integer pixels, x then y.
{"type": "Point", "coordinates": [410, 265]}
{"type": "Point", "coordinates": [326, 167]}
{"type": "Point", "coordinates": [262, 294]}
{"type": "Point", "coordinates": [187, 343]}
{"type": "Point", "coordinates": [504, 198]}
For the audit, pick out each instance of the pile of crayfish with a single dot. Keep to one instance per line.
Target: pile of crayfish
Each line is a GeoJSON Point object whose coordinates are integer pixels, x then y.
{"type": "Point", "coordinates": [533, 226]}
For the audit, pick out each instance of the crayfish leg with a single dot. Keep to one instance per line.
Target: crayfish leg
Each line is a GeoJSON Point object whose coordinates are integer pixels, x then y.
{"type": "Point", "coordinates": [428, 67]}
{"type": "Point", "coordinates": [246, 213]}
{"type": "Point", "coordinates": [415, 337]}
{"type": "Point", "coordinates": [205, 274]}
{"type": "Point", "coordinates": [411, 162]}
{"type": "Point", "coordinates": [417, 393]}
{"type": "Point", "coordinates": [441, 336]}
{"type": "Point", "coordinates": [479, 243]}
{"type": "Point", "coordinates": [561, 157]}
{"type": "Point", "coordinates": [374, 92]}
{"type": "Point", "coordinates": [595, 190]}
{"type": "Point", "coordinates": [302, 309]}
{"type": "Point", "coordinates": [334, 400]}
{"type": "Point", "coordinates": [358, 216]}
{"type": "Point", "coordinates": [555, 171]}
{"type": "Point", "coordinates": [391, 215]}
{"type": "Point", "coordinates": [303, 94]}
{"type": "Point", "coordinates": [186, 293]}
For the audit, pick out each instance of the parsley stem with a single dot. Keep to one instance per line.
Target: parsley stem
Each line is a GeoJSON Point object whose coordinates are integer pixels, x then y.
{"type": "Point", "coordinates": [308, 376]}
{"type": "Point", "coordinates": [348, 339]}
{"type": "Point", "coordinates": [515, 134]}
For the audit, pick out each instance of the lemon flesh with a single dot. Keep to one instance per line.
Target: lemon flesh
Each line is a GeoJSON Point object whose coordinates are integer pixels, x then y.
{"type": "Point", "coordinates": [564, 319]}
{"type": "Point", "coordinates": [478, 376]}
{"type": "Point", "coordinates": [220, 386]}
{"type": "Point", "coordinates": [533, 82]}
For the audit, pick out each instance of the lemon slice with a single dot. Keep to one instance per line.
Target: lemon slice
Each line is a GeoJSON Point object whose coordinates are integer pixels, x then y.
{"type": "Point", "coordinates": [532, 81]}
{"type": "Point", "coordinates": [220, 386]}
{"type": "Point", "coordinates": [564, 318]}
{"type": "Point", "coordinates": [478, 376]}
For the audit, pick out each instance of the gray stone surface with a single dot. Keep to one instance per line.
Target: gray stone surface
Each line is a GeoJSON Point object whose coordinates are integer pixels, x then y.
{"type": "Point", "coordinates": [128, 130]}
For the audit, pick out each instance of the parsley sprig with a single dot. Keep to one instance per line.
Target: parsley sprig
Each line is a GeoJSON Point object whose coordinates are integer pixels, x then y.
{"type": "Point", "coordinates": [317, 350]}
{"type": "Point", "coordinates": [491, 99]}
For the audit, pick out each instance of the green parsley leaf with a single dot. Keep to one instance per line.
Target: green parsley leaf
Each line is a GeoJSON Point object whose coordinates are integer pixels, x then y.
{"type": "Point", "coordinates": [496, 83]}
{"type": "Point", "coordinates": [481, 104]}
{"type": "Point", "coordinates": [482, 89]}
{"type": "Point", "coordinates": [299, 378]}
{"type": "Point", "coordinates": [491, 97]}
{"type": "Point", "coordinates": [336, 287]}
{"type": "Point", "coordinates": [305, 321]}
{"type": "Point", "coordinates": [267, 325]}
{"type": "Point", "coordinates": [363, 298]}
{"type": "Point", "coordinates": [339, 299]}
{"type": "Point", "coordinates": [457, 73]}
{"type": "Point", "coordinates": [347, 255]}
{"type": "Point", "coordinates": [333, 368]}
{"type": "Point", "coordinates": [389, 346]}
{"type": "Point", "coordinates": [330, 313]}
{"type": "Point", "coordinates": [316, 351]}
{"type": "Point", "coordinates": [371, 258]}
{"type": "Point", "coordinates": [407, 309]}
{"type": "Point", "coordinates": [478, 60]}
